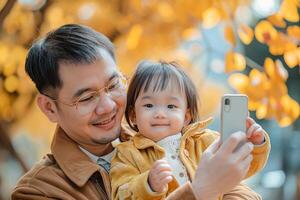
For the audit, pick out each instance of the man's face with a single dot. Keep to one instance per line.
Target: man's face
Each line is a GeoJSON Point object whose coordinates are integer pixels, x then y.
{"type": "Point", "coordinates": [102, 124]}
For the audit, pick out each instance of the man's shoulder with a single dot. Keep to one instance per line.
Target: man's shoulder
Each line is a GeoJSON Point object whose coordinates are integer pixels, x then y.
{"type": "Point", "coordinates": [45, 166]}
{"type": "Point", "coordinates": [41, 175]}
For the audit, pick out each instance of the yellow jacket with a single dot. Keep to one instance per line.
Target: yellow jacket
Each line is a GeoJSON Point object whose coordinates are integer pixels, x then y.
{"type": "Point", "coordinates": [133, 159]}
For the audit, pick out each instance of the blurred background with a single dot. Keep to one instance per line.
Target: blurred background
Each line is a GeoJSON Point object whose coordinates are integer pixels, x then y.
{"type": "Point", "coordinates": [232, 46]}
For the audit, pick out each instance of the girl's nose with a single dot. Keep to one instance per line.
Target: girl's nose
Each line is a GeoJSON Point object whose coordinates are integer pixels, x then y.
{"type": "Point", "coordinates": [160, 113]}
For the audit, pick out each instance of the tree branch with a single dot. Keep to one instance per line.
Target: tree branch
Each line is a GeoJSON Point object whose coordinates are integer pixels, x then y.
{"type": "Point", "coordinates": [6, 9]}
{"type": "Point", "coordinates": [6, 144]}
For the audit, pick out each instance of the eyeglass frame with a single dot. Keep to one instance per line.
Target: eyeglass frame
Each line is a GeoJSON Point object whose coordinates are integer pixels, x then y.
{"type": "Point", "coordinates": [98, 92]}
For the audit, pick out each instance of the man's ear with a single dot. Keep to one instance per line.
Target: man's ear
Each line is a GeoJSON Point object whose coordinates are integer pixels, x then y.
{"type": "Point", "coordinates": [187, 117]}
{"type": "Point", "coordinates": [47, 107]}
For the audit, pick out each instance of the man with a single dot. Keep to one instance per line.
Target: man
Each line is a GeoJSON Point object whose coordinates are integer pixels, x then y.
{"type": "Point", "coordinates": [81, 89]}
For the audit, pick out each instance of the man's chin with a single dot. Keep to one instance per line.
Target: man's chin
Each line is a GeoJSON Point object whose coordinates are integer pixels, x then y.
{"type": "Point", "coordinates": [103, 140]}
{"type": "Point", "coordinates": [108, 137]}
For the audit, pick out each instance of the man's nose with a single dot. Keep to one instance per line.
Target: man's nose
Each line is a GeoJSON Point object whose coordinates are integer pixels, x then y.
{"type": "Point", "coordinates": [105, 104]}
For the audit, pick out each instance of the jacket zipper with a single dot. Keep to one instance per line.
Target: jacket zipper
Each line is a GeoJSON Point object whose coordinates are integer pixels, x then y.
{"type": "Point", "coordinates": [100, 189]}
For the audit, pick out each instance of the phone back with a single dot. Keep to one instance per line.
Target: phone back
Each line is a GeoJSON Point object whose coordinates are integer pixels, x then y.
{"type": "Point", "coordinates": [233, 114]}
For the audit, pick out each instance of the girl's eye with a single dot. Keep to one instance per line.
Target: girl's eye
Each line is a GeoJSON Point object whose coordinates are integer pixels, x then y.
{"type": "Point", "coordinates": [148, 105]}
{"type": "Point", "coordinates": [171, 106]}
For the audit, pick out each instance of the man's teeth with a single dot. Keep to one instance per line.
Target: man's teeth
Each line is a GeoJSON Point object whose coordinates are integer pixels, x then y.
{"type": "Point", "coordinates": [106, 121]}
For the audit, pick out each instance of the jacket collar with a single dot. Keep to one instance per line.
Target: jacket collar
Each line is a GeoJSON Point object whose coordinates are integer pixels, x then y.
{"type": "Point", "coordinates": [196, 127]}
{"type": "Point", "coordinates": [142, 142]}
{"type": "Point", "coordinates": [77, 166]}
{"type": "Point", "coordinates": [74, 163]}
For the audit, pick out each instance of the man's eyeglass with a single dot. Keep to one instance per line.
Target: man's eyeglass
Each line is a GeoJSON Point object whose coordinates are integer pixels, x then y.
{"type": "Point", "coordinates": [86, 103]}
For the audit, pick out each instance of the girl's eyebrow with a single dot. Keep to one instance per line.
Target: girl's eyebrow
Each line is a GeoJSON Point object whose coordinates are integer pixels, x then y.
{"type": "Point", "coordinates": [174, 98]}
{"type": "Point", "coordinates": [146, 97]}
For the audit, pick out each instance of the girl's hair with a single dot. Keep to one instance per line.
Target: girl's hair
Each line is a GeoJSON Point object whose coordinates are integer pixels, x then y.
{"type": "Point", "coordinates": [159, 75]}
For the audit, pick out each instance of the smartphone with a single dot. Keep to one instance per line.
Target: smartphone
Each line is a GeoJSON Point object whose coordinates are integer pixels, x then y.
{"type": "Point", "coordinates": [234, 112]}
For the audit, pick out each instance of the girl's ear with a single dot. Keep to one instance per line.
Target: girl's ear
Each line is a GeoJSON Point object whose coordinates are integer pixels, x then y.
{"type": "Point", "coordinates": [132, 116]}
{"type": "Point", "coordinates": [187, 117]}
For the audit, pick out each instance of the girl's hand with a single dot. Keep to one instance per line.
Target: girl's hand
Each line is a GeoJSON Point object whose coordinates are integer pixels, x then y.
{"type": "Point", "coordinates": [160, 175]}
{"type": "Point", "coordinates": [255, 133]}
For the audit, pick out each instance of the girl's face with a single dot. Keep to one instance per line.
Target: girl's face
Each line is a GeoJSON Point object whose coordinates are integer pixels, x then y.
{"type": "Point", "coordinates": [161, 113]}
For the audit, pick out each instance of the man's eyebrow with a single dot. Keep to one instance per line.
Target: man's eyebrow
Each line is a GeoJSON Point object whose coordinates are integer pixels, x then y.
{"type": "Point", "coordinates": [83, 90]}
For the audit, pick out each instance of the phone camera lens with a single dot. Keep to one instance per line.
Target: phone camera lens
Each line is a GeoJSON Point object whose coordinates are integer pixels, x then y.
{"type": "Point", "coordinates": [227, 101]}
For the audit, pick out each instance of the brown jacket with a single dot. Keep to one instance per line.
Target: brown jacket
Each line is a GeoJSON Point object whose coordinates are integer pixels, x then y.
{"type": "Point", "coordinates": [68, 173]}
{"type": "Point", "coordinates": [133, 159]}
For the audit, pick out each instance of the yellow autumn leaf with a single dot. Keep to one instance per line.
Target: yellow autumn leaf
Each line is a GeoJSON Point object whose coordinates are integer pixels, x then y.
{"type": "Point", "coordinates": [294, 109]}
{"type": "Point", "coordinates": [289, 10]}
{"type": "Point", "coordinates": [294, 31]}
{"type": "Point", "coordinates": [276, 45]}
{"type": "Point", "coordinates": [290, 58]}
{"type": "Point", "coordinates": [264, 31]}
{"type": "Point", "coordinates": [11, 83]}
{"type": "Point", "coordinates": [258, 85]}
{"type": "Point", "coordinates": [166, 12]}
{"type": "Point", "coordinates": [289, 111]}
{"type": "Point", "coordinates": [4, 52]}
{"type": "Point", "coordinates": [253, 105]}
{"type": "Point", "coordinates": [234, 62]}
{"type": "Point", "coordinates": [269, 67]}
{"type": "Point", "coordinates": [245, 34]}
{"type": "Point", "coordinates": [9, 68]}
{"type": "Point", "coordinates": [266, 109]}
{"type": "Point", "coordinates": [229, 35]}
{"type": "Point", "coordinates": [297, 52]}
{"type": "Point", "coordinates": [277, 20]}
{"type": "Point", "coordinates": [281, 70]}
{"type": "Point", "coordinates": [20, 105]}
{"type": "Point", "coordinates": [273, 106]}
{"type": "Point", "coordinates": [239, 82]}
{"type": "Point", "coordinates": [275, 71]}
{"type": "Point", "coordinates": [289, 46]}
{"type": "Point", "coordinates": [210, 17]}
{"type": "Point", "coordinates": [210, 94]}
{"type": "Point", "coordinates": [262, 111]}
{"type": "Point", "coordinates": [134, 36]}
{"type": "Point", "coordinates": [290, 106]}
{"type": "Point", "coordinates": [284, 120]}
{"type": "Point", "coordinates": [7, 114]}
{"type": "Point", "coordinates": [190, 33]}
{"type": "Point", "coordinates": [5, 100]}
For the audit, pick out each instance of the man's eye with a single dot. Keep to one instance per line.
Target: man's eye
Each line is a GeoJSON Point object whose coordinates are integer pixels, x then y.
{"type": "Point", "coordinates": [86, 98]}
{"type": "Point", "coordinates": [171, 106]}
{"type": "Point", "coordinates": [148, 105]}
{"type": "Point", "coordinates": [114, 85]}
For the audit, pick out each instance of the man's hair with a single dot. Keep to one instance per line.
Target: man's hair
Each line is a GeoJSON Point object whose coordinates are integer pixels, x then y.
{"type": "Point", "coordinates": [70, 43]}
{"type": "Point", "coordinates": [158, 75]}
